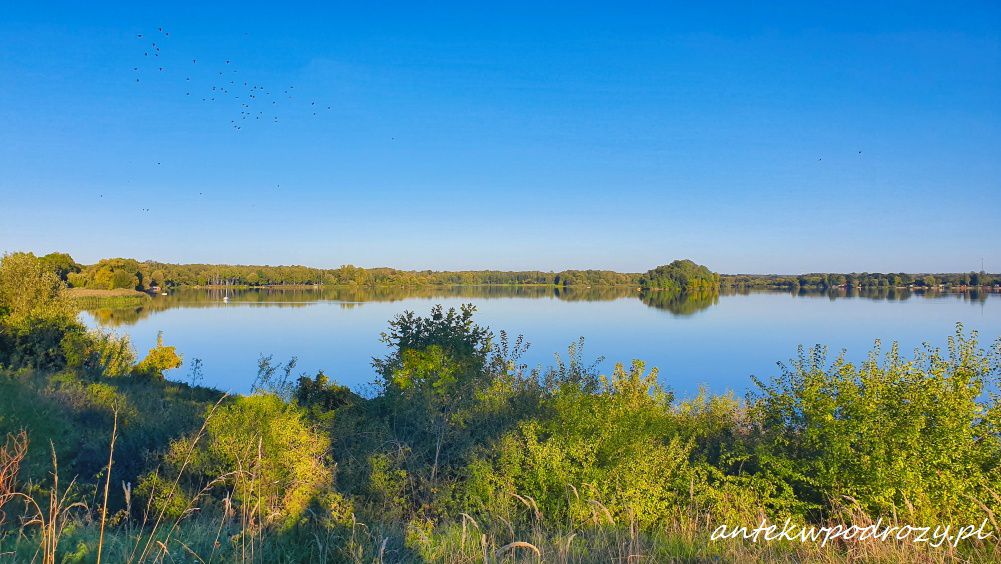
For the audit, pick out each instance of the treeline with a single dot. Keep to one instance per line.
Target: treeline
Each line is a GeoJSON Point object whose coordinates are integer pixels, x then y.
{"type": "Point", "coordinates": [681, 274]}
{"type": "Point", "coordinates": [130, 273]}
{"type": "Point", "coordinates": [823, 281]}
{"type": "Point", "coordinates": [461, 453]}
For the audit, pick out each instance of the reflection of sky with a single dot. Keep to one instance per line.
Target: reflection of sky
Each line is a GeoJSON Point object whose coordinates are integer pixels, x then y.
{"type": "Point", "coordinates": [718, 347]}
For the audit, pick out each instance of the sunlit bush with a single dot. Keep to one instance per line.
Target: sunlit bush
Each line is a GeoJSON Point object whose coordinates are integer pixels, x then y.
{"type": "Point", "coordinates": [260, 449]}
{"type": "Point", "coordinates": [892, 436]}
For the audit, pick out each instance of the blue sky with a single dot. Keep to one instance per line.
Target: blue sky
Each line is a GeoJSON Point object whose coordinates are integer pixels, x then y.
{"type": "Point", "coordinates": [803, 137]}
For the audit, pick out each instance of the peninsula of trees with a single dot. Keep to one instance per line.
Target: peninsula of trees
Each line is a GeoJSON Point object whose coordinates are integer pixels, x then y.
{"type": "Point", "coordinates": [681, 276]}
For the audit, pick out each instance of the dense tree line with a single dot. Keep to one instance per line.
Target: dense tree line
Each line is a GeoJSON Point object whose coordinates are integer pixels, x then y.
{"type": "Point", "coordinates": [129, 273]}
{"type": "Point", "coordinates": [824, 281]}
{"type": "Point", "coordinates": [681, 274]}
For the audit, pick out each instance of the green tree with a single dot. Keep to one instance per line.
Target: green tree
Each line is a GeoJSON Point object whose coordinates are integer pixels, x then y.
{"type": "Point", "coordinates": [34, 314]}
{"type": "Point", "coordinates": [60, 263]}
{"type": "Point", "coordinates": [123, 279]}
{"type": "Point", "coordinates": [681, 276]}
{"type": "Point", "coordinates": [158, 278]}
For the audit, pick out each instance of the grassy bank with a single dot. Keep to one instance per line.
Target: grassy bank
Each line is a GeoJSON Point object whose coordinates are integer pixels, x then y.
{"type": "Point", "coordinates": [89, 298]}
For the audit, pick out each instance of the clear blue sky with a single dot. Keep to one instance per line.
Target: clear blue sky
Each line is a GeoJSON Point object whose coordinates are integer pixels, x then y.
{"type": "Point", "coordinates": [524, 136]}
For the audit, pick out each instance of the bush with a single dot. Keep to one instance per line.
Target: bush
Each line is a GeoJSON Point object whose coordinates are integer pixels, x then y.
{"type": "Point", "coordinates": [890, 436]}
{"type": "Point", "coordinates": [612, 441]}
{"type": "Point", "coordinates": [96, 354]}
{"type": "Point", "coordinates": [262, 450]}
{"type": "Point", "coordinates": [158, 359]}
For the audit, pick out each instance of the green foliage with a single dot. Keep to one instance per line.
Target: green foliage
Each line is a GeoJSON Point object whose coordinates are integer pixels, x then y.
{"type": "Point", "coordinates": [163, 496]}
{"type": "Point", "coordinates": [321, 395]}
{"type": "Point", "coordinates": [34, 315]}
{"type": "Point", "coordinates": [612, 449]}
{"type": "Point", "coordinates": [61, 264]}
{"type": "Point", "coordinates": [446, 389]}
{"type": "Point", "coordinates": [158, 359]}
{"type": "Point", "coordinates": [436, 365]}
{"type": "Point", "coordinates": [129, 273]}
{"type": "Point", "coordinates": [681, 276]}
{"type": "Point", "coordinates": [109, 274]}
{"type": "Point", "coordinates": [112, 273]}
{"type": "Point", "coordinates": [97, 354]}
{"type": "Point", "coordinates": [263, 450]}
{"type": "Point", "coordinates": [863, 280]}
{"type": "Point", "coordinates": [452, 332]}
{"type": "Point", "coordinates": [900, 436]}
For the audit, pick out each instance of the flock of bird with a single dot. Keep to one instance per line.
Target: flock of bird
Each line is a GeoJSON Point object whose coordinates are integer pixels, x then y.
{"type": "Point", "coordinates": [218, 82]}
{"type": "Point", "coordinates": [249, 100]}
{"type": "Point", "coordinates": [254, 102]}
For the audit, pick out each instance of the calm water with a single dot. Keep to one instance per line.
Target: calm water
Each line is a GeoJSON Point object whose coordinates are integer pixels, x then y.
{"type": "Point", "coordinates": [715, 343]}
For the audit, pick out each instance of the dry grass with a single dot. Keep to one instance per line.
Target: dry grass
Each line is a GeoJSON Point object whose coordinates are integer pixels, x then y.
{"type": "Point", "coordinates": [76, 293]}
{"type": "Point", "coordinates": [120, 298]}
{"type": "Point", "coordinates": [233, 533]}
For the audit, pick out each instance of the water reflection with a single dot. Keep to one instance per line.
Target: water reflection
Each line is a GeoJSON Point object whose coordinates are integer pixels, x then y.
{"type": "Point", "coordinates": [680, 305]}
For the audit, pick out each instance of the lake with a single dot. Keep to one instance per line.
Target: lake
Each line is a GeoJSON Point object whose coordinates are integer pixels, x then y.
{"type": "Point", "coordinates": [716, 342]}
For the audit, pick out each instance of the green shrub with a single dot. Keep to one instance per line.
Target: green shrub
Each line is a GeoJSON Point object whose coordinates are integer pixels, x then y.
{"type": "Point", "coordinates": [96, 354]}
{"type": "Point", "coordinates": [158, 359]}
{"type": "Point", "coordinates": [263, 451]}
{"type": "Point", "coordinates": [613, 443]}
{"type": "Point", "coordinates": [892, 436]}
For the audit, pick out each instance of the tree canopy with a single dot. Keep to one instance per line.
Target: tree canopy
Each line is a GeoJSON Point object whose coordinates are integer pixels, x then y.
{"type": "Point", "coordinates": [681, 276]}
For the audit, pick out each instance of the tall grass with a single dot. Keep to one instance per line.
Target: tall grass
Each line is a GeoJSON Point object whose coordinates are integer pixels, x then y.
{"type": "Point", "coordinates": [59, 526]}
